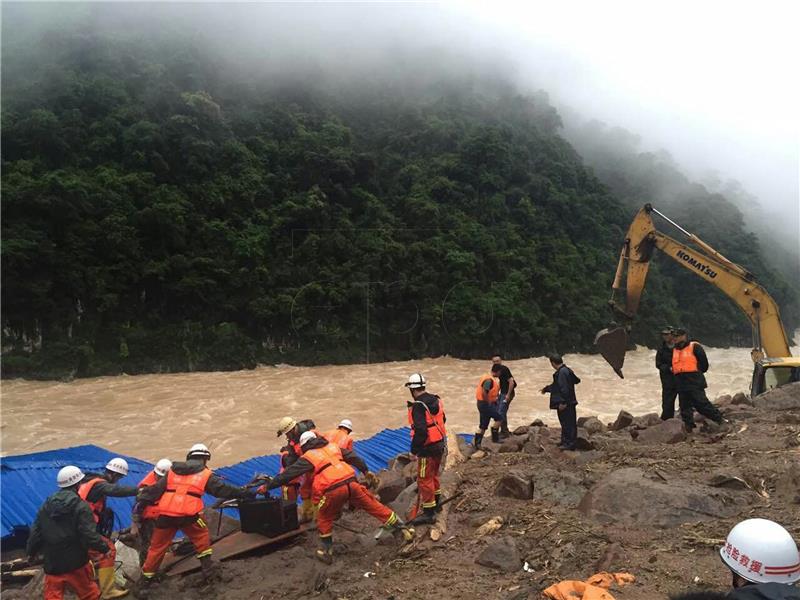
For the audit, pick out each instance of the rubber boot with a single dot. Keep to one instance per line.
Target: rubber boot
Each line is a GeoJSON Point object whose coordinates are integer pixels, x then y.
{"type": "Point", "coordinates": [438, 507]}
{"type": "Point", "coordinates": [427, 517]}
{"type": "Point", "coordinates": [496, 436]}
{"type": "Point", "coordinates": [476, 441]}
{"type": "Point", "coordinates": [211, 568]}
{"type": "Point", "coordinates": [105, 577]}
{"type": "Point", "coordinates": [325, 552]}
{"type": "Point", "coordinates": [504, 432]}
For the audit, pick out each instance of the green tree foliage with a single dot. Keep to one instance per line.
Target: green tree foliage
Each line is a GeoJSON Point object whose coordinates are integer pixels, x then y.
{"type": "Point", "coordinates": [160, 213]}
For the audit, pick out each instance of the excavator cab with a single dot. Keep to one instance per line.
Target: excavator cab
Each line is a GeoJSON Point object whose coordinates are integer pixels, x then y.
{"type": "Point", "coordinates": [774, 373]}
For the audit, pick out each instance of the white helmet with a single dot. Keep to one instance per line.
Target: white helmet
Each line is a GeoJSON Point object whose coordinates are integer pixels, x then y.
{"type": "Point", "coordinates": [415, 381]}
{"type": "Point", "coordinates": [308, 435]}
{"type": "Point", "coordinates": [285, 425]}
{"type": "Point", "coordinates": [163, 466]}
{"type": "Point", "coordinates": [69, 476]}
{"type": "Point", "coordinates": [200, 451]}
{"type": "Point", "coordinates": [118, 465]}
{"type": "Point", "coordinates": [761, 551]}
{"type": "Point", "coordinates": [347, 424]}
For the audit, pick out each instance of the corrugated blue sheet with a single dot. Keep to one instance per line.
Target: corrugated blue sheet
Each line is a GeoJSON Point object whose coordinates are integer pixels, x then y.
{"type": "Point", "coordinates": [26, 480]}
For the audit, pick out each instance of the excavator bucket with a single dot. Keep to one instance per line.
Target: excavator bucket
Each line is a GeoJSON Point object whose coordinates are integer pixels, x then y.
{"type": "Point", "coordinates": [612, 343]}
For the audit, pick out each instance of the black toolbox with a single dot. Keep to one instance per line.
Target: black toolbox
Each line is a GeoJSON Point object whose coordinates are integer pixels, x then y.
{"type": "Point", "coordinates": [270, 517]}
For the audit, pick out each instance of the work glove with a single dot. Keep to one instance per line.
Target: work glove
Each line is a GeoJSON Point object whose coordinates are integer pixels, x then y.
{"type": "Point", "coordinates": [373, 481]}
{"type": "Point", "coordinates": [307, 511]}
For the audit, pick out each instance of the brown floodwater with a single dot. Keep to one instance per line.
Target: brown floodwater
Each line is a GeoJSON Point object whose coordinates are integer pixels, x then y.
{"type": "Point", "coordinates": [236, 413]}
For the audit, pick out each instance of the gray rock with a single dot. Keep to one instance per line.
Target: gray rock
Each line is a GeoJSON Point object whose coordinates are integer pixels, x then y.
{"type": "Point", "coordinates": [666, 432]}
{"type": "Point", "coordinates": [583, 441]}
{"type": "Point", "coordinates": [591, 424]}
{"type": "Point", "coordinates": [741, 398]}
{"type": "Point", "coordinates": [628, 496]}
{"type": "Point", "coordinates": [515, 485]}
{"type": "Point", "coordinates": [402, 504]}
{"type": "Point", "coordinates": [786, 397]}
{"type": "Point", "coordinates": [724, 400]}
{"type": "Point", "coordinates": [624, 419]}
{"type": "Point", "coordinates": [558, 487]}
{"type": "Point", "coordinates": [501, 554]}
{"type": "Point", "coordinates": [647, 420]}
{"type": "Point", "coordinates": [400, 461]}
{"type": "Point", "coordinates": [513, 444]}
{"type": "Point", "coordinates": [521, 430]}
{"type": "Point", "coordinates": [584, 458]}
{"type": "Point", "coordinates": [391, 485]}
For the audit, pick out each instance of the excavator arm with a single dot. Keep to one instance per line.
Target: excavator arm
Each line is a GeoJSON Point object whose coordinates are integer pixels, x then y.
{"type": "Point", "coordinates": [769, 337]}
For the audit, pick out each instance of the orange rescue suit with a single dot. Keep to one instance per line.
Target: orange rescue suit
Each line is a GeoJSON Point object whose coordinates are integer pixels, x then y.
{"type": "Point", "coordinates": [329, 469]}
{"type": "Point", "coordinates": [151, 510]}
{"type": "Point", "coordinates": [436, 430]}
{"type": "Point", "coordinates": [341, 438]}
{"type": "Point", "coordinates": [684, 360]}
{"type": "Point", "coordinates": [97, 507]}
{"type": "Point", "coordinates": [494, 392]}
{"type": "Point", "coordinates": [184, 494]}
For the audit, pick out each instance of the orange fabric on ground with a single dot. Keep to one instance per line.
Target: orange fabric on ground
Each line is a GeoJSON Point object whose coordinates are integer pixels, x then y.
{"type": "Point", "coordinates": [81, 581]}
{"type": "Point", "coordinates": [104, 560]}
{"type": "Point", "coordinates": [332, 503]}
{"type": "Point", "coordinates": [196, 531]}
{"type": "Point", "coordinates": [594, 588]}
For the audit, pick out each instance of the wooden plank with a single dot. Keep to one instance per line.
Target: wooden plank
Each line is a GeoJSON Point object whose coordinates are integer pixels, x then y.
{"type": "Point", "coordinates": [229, 546]}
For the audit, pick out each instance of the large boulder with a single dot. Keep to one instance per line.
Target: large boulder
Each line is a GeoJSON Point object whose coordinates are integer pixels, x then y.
{"type": "Point", "coordinates": [391, 485]}
{"type": "Point", "coordinates": [591, 424]}
{"type": "Point", "coordinates": [647, 420]}
{"type": "Point", "coordinates": [583, 441]}
{"type": "Point", "coordinates": [558, 487]}
{"type": "Point", "coordinates": [624, 419]}
{"type": "Point", "coordinates": [400, 461]}
{"type": "Point", "coordinates": [402, 504]}
{"type": "Point", "coordinates": [501, 554]}
{"type": "Point", "coordinates": [786, 397]}
{"type": "Point", "coordinates": [628, 496]}
{"type": "Point", "coordinates": [513, 443]}
{"type": "Point", "coordinates": [666, 432]}
{"type": "Point", "coordinates": [741, 398]}
{"type": "Point", "coordinates": [515, 484]}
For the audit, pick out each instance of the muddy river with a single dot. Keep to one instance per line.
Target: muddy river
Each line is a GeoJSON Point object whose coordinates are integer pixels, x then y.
{"type": "Point", "coordinates": [235, 413]}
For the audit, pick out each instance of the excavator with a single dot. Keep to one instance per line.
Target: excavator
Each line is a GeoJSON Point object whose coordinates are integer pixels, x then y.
{"type": "Point", "coordinates": [774, 364]}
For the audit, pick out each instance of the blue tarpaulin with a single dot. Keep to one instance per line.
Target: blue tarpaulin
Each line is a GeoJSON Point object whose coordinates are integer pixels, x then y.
{"type": "Point", "coordinates": [27, 480]}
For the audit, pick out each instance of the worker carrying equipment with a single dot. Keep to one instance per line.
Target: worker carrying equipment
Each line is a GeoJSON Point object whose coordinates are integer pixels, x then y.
{"type": "Point", "coordinates": [334, 484]}
{"type": "Point", "coordinates": [64, 533]}
{"type": "Point", "coordinates": [180, 503]}
{"type": "Point", "coordinates": [774, 365]}
{"type": "Point", "coordinates": [759, 551]}
{"type": "Point", "coordinates": [426, 417]}
{"type": "Point", "coordinates": [94, 489]}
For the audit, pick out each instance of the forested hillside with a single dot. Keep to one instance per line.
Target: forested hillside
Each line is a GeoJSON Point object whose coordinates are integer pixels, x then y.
{"type": "Point", "coordinates": [161, 211]}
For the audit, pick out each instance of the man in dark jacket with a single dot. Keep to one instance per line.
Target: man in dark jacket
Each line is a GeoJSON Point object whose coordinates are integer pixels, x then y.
{"type": "Point", "coordinates": [64, 532]}
{"type": "Point", "coordinates": [689, 363]}
{"type": "Point", "coordinates": [508, 389]}
{"type": "Point", "coordinates": [563, 400]}
{"type": "Point", "coordinates": [664, 365]}
{"type": "Point", "coordinates": [180, 505]}
{"type": "Point", "coordinates": [428, 441]}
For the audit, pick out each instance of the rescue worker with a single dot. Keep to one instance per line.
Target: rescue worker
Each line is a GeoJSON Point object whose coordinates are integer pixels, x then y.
{"type": "Point", "coordinates": [487, 394]}
{"type": "Point", "coordinates": [508, 389]}
{"type": "Point", "coordinates": [341, 435]}
{"type": "Point", "coordinates": [64, 532]}
{"type": "Point", "coordinates": [563, 400]}
{"type": "Point", "coordinates": [94, 489]}
{"type": "Point", "coordinates": [664, 365]}
{"type": "Point", "coordinates": [293, 429]}
{"type": "Point", "coordinates": [689, 362]}
{"type": "Point", "coordinates": [763, 560]}
{"type": "Point", "coordinates": [144, 516]}
{"type": "Point", "coordinates": [426, 417]}
{"type": "Point", "coordinates": [180, 505]}
{"type": "Point", "coordinates": [334, 484]}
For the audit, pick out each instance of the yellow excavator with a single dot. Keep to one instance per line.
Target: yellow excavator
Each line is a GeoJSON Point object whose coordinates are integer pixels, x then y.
{"type": "Point", "coordinates": [774, 364]}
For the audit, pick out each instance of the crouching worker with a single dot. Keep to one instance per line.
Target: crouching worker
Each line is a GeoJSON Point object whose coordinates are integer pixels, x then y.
{"type": "Point", "coordinates": [144, 516]}
{"type": "Point", "coordinates": [94, 489]}
{"type": "Point", "coordinates": [64, 532]}
{"type": "Point", "coordinates": [333, 485]}
{"type": "Point", "coordinates": [180, 505]}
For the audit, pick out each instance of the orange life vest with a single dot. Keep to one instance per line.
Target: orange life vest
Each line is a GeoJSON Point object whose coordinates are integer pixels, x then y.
{"type": "Point", "coordinates": [183, 496]}
{"type": "Point", "coordinates": [97, 507]}
{"type": "Point", "coordinates": [494, 392]}
{"type": "Point", "coordinates": [341, 438]}
{"type": "Point", "coordinates": [684, 360]}
{"type": "Point", "coordinates": [151, 510]}
{"type": "Point", "coordinates": [436, 430]}
{"type": "Point", "coordinates": [329, 469]}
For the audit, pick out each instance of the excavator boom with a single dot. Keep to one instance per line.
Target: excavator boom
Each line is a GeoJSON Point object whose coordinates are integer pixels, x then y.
{"type": "Point", "coordinates": [769, 336]}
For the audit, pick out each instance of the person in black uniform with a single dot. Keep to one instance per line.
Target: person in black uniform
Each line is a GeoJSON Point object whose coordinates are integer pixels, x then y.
{"type": "Point", "coordinates": [664, 365]}
{"type": "Point", "coordinates": [508, 389]}
{"type": "Point", "coordinates": [689, 363]}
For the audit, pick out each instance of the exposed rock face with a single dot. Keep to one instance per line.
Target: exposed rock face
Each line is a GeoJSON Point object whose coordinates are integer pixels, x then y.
{"type": "Point", "coordinates": [666, 432]}
{"type": "Point", "coordinates": [786, 397]}
{"type": "Point", "coordinates": [629, 496]}
{"type": "Point", "coordinates": [501, 554]}
{"type": "Point", "coordinates": [515, 485]}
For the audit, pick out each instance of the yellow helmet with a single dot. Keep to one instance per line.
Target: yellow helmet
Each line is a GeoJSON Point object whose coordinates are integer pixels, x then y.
{"type": "Point", "coordinates": [286, 424]}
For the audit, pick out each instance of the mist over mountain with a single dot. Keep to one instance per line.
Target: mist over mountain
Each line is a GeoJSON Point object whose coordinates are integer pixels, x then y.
{"type": "Point", "coordinates": [193, 187]}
